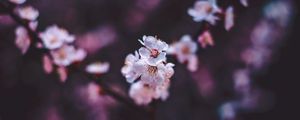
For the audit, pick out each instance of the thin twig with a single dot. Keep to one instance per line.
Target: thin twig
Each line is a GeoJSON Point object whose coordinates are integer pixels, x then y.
{"type": "Point", "coordinates": [33, 51]}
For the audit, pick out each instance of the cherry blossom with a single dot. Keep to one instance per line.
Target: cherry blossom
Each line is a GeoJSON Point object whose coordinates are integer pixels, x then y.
{"type": "Point", "coordinates": [244, 2]}
{"type": "Point", "coordinates": [185, 51]}
{"type": "Point", "coordinates": [18, 1]}
{"type": "Point", "coordinates": [22, 39]}
{"type": "Point", "coordinates": [229, 18]}
{"type": "Point", "coordinates": [205, 11]}
{"type": "Point", "coordinates": [154, 51]}
{"type": "Point", "coordinates": [28, 13]}
{"type": "Point", "coordinates": [97, 68]}
{"type": "Point", "coordinates": [154, 75]}
{"type": "Point", "coordinates": [66, 55]}
{"type": "Point", "coordinates": [143, 94]}
{"type": "Point", "coordinates": [206, 39]}
{"type": "Point", "coordinates": [54, 37]}
{"type": "Point", "coordinates": [128, 71]}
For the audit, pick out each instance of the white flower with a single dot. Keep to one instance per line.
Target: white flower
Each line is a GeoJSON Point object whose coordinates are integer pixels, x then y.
{"type": "Point", "coordinates": [205, 11]}
{"type": "Point", "coordinates": [22, 39]}
{"type": "Point", "coordinates": [97, 68]}
{"type": "Point", "coordinates": [28, 13]}
{"type": "Point", "coordinates": [66, 55]}
{"type": "Point", "coordinates": [54, 37]}
{"type": "Point", "coordinates": [141, 93]}
{"type": "Point", "coordinates": [128, 71]}
{"type": "Point", "coordinates": [154, 75]}
{"type": "Point", "coordinates": [227, 111]}
{"type": "Point", "coordinates": [18, 1]}
{"type": "Point", "coordinates": [244, 2]}
{"type": "Point", "coordinates": [205, 39]}
{"type": "Point", "coordinates": [185, 51]}
{"type": "Point", "coordinates": [154, 50]}
{"type": "Point", "coordinates": [229, 18]}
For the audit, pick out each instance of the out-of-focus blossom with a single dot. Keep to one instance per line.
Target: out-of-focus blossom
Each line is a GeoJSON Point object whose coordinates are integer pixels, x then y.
{"type": "Point", "coordinates": [154, 51]}
{"type": "Point", "coordinates": [22, 39]}
{"type": "Point", "coordinates": [18, 1]}
{"type": "Point", "coordinates": [279, 11]}
{"type": "Point", "coordinates": [205, 11]}
{"type": "Point", "coordinates": [67, 54]}
{"type": "Point", "coordinates": [97, 39]}
{"type": "Point", "coordinates": [255, 57]}
{"type": "Point", "coordinates": [128, 71]}
{"type": "Point", "coordinates": [98, 68]}
{"type": "Point", "coordinates": [241, 81]}
{"type": "Point", "coordinates": [54, 37]}
{"type": "Point", "coordinates": [33, 25]}
{"type": "Point", "coordinates": [262, 36]}
{"type": "Point", "coordinates": [154, 75]}
{"type": "Point", "coordinates": [62, 73]}
{"type": "Point", "coordinates": [227, 111]}
{"type": "Point", "coordinates": [47, 64]}
{"type": "Point", "coordinates": [143, 94]}
{"type": "Point", "coordinates": [206, 39]}
{"type": "Point", "coordinates": [244, 2]}
{"type": "Point", "coordinates": [229, 18]}
{"type": "Point", "coordinates": [28, 13]}
{"type": "Point", "coordinates": [185, 51]}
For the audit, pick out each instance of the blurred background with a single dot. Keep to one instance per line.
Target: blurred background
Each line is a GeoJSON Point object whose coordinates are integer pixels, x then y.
{"type": "Point", "coordinates": [109, 30]}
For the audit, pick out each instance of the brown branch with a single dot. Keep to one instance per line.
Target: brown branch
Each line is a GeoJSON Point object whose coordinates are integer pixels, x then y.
{"type": "Point", "coordinates": [37, 53]}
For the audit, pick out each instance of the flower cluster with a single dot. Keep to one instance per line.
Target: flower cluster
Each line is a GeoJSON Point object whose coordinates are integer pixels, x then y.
{"type": "Point", "coordinates": [207, 10]}
{"type": "Point", "coordinates": [29, 14]}
{"type": "Point", "coordinates": [148, 71]}
{"type": "Point", "coordinates": [185, 51]}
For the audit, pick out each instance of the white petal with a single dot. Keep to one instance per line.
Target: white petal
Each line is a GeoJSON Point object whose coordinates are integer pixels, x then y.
{"type": "Point", "coordinates": [244, 2]}
{"type": "Point", "coordinates": [144, 52]}
{"type": "Point", "coordinates": [229, 18]}
{"type": "Point", "coordinates": [160, 58]}
{"type": "Point", "coordinates": [98, 68]}
{"type": "Point", "coordinates": [193, 63]}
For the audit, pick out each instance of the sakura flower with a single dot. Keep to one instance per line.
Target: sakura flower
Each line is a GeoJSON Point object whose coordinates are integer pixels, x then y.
{"type": "Point", "coordinates": [17, 1]}
{"type": "Point", "coordinates": [205, 11]}
{"type": "Point", "coordinates": [229, 18]}
{"type": "Point", "coordinates": [185, 51]}
{"type": "Point", "coordinates": [54, 37]}
{"type": "Point", "coordinates": [22, 39]}
{"type": "Point", "coordinates": [142, 94]}
{"type": "Point", "coordinates": [28, 13]}
{"type": "Point", "coordinates": [154, 51]}
{"type": "Point", "coordinates": [205, 39]}
{"type": "Point", "coordinates": [154, 75]}
{"type": "Point", "coordinates": [244, 2]}
{"type": "Point", "coordinates": [128, 71]}
{"type": "Point", "coordinates": [97, 68]}
{"type": "Point", "coordinates": [66, 55]}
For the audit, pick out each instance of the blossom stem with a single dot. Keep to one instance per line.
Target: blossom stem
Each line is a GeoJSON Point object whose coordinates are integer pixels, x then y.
{"type": "Point", "coordinates": [35, 52]}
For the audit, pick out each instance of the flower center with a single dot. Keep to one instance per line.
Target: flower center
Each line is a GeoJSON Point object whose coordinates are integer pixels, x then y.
{"type": "Point", "coordinates": [208, 8]}
{"type": "Point", "coordinates": [62, 54]}
{"type": "Point", "coordinates": [154, 53]}
{"type": "Point", "coordinates": [185, 50]}
{"type": "Point", "coordinates": [152, 70]}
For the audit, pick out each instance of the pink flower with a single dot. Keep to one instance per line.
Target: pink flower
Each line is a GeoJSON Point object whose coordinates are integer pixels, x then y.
{"type": "Point", "coordinates": [206, 39]}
